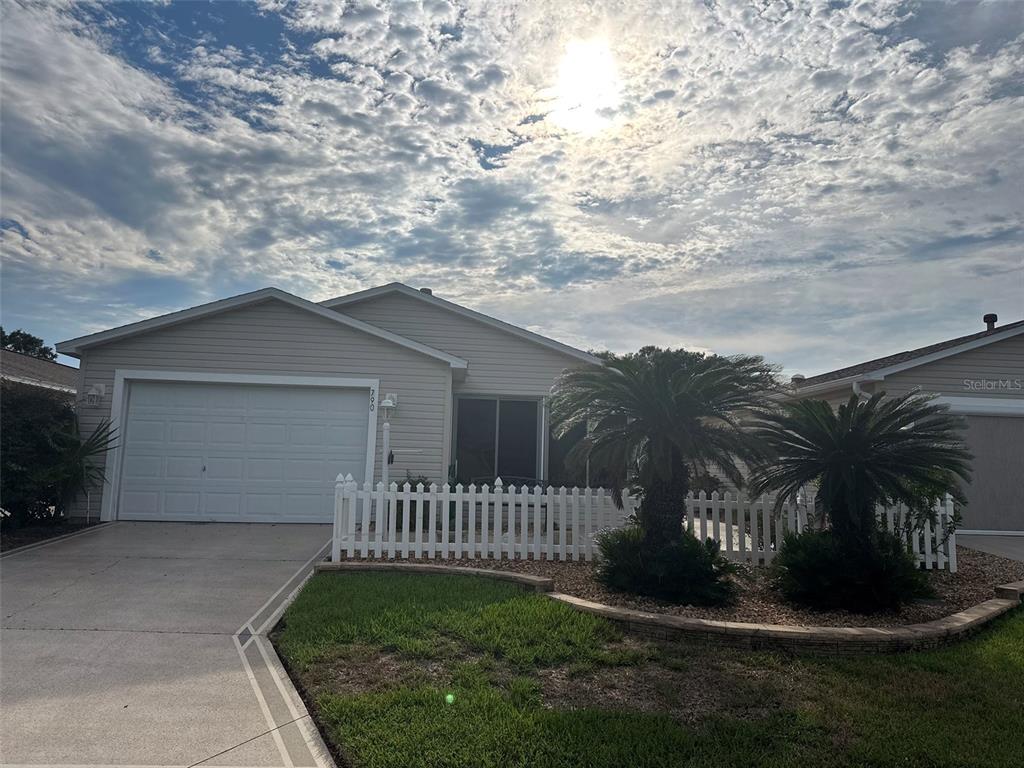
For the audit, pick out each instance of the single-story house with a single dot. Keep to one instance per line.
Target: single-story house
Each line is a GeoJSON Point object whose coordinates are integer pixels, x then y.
{"type": "Point", "coordinates": [247, 408]}
{"type": "Point", "coordinates": [980, 376]}
{"type": "Point", "coordinates": [36, 372]}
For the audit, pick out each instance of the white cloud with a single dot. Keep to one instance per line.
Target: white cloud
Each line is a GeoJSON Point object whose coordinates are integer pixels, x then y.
{"type": "Point", "coordinates": [765, 164]}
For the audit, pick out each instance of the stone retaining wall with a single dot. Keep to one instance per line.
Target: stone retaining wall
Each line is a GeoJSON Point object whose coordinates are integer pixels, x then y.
{"type": "Point", "coordinates": [831, 641]}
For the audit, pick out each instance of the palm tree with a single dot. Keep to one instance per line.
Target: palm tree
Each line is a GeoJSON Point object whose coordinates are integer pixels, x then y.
{"type": "Point", "coordinates": [904, 449]}
{"type": "Point", "coordinates": [657, 419]}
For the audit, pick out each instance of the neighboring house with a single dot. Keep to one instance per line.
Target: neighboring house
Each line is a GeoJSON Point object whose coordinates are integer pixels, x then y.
{"type": "Point", "coordinates": [36, 372]}
{"type": "Point", "coordinates": [980, 376]}
{"type": "Point", "coordinates": [247, 408]}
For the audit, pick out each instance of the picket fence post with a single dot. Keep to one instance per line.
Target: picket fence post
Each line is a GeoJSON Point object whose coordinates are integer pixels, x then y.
{"type": "Point", "coordinates": [339, 497]}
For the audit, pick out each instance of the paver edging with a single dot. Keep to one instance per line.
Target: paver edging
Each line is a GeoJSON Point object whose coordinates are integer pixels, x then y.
{"type": "Point", "coordinates": [830, 640]}
{"type": "Point", "coordinates": [833, 641]}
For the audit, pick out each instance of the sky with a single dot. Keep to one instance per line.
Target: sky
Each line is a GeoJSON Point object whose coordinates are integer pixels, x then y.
{"type": "Point", "coordinates": [819, 183]}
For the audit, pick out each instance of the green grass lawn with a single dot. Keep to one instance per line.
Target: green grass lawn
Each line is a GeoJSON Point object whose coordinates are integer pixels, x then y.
{"type": "Point", "coordinates": [425, 670]}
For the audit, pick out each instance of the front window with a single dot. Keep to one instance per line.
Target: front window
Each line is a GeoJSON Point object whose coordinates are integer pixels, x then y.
{"type": "Point", "coordinates": [497, 437]}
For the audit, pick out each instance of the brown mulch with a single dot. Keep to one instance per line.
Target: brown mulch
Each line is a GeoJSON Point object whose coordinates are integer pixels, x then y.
{"type": "Point", "coordinates": [977, 576]}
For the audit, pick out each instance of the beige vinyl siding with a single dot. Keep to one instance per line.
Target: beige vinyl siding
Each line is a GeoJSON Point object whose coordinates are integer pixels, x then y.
{"type": "Point", "coordinates": [275, 338]}
{"type": "Point", "coordinates": [499, 362]}
{"type": "Point", "coordinates": [1000, 361]}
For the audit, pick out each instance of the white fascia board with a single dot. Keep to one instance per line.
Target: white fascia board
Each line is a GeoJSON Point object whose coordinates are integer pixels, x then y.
{"type": "Point", "coordinates": [73, 347]}
{"type": "Point", "coordinates": [458, 309]}
{"type": "Point", "coordinates": [984, 406]}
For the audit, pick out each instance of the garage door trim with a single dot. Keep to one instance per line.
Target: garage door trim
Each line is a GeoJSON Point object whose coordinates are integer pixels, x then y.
{"type": "Point", "coordinates": [119, 412]}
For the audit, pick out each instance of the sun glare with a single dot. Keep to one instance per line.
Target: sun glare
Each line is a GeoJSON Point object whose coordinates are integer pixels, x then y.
{"type": "Point", "coordinates": [588, 87]}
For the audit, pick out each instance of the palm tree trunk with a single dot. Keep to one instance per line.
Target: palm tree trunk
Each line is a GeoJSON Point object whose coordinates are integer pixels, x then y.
{"type": "Point", "coordinates": [663, 508]}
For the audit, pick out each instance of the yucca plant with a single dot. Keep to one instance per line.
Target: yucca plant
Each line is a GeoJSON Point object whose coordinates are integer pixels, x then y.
{"type": "Point", "coordinates": [659, 418]}
{"type": "Point", "coordinates": [75, 469]}
{"type": "Point", "coordinates": [883, 450]}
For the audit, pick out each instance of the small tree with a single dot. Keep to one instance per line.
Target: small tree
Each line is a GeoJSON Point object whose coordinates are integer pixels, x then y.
{"type": "Point", "coordinates": [904, 449]}
{"type": "Point", "coordinates": [660, 418]}
{"type": "Point", "coordinates": [27, 344]}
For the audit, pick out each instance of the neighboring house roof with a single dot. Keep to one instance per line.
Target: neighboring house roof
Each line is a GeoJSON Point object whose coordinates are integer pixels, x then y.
{"type": "Point", "coordinates": [428, 298]}
{"type": "Point", "coordinates": [881, 367]}
{"type": "Point", "coordinates": [73, 347]}
{"type": "Point", "coordinates": [25, 369]}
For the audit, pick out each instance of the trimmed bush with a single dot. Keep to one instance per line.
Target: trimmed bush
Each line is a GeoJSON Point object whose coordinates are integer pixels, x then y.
{"type": "Point", "coordinates": [683, 570]}
{"type": "Point", "coordinates": [30, 421]}
{"type": "Point", "coordinates": [814, 569]}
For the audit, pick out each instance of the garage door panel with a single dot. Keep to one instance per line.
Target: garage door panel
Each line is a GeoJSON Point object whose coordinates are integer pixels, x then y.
{"type": "Point", "coordinates": [307, 435]}
{"type": "Point", "coordinates": [144, 467]}
{"type": "Point", "coordinates": [305, 505]}
{"type": "Point", "coordinates": [257, 469]}
{"type": "Point", "coordinates": [142, 503]}
{"type": "Point", "coordinates": [184, 467]}
{"type": "Point", "coordinates": [145, 431]}
{"type": "Point", "coordinates": [995, 496]}
{"type": "Point", "coordinates": [225, 434]}
{"type": "Point", "coordinates": [310, 470]}
{"type": "Point", "coordinates": [264, 434]}
{"type": "Point", "coordinates": [224, 469]}
{"type": "Point", "coordinates": [223, 505]}
{"type": "Point", "coordinates": [239, 452]}
{"type": "Point", "coordinates": [181, 503]}
{"type": "Point", "coordinates": [187, 434]}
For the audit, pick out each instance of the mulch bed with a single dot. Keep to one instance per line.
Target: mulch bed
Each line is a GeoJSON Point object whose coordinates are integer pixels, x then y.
{"type": "Point", "coordinates": [977, 576]}
{"type": "Point", "coordinates": [31, 534]}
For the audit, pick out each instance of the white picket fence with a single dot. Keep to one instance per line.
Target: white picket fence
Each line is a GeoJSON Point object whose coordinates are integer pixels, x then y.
{"type": "Point", "coordinates": [498, 522]}
{"type": "Point", "coordinates": [473, 522]}
{"type": "Point", "coordinates": [930, 542]}
{"type": "Point", "coordinates": [749, 530]}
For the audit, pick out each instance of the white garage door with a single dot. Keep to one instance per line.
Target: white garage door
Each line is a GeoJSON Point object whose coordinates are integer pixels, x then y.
{"type": "Point", "coordinates": [239, 452]}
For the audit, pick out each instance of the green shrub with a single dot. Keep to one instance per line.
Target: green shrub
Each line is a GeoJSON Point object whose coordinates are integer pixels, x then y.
{"type": "Point", "coordinates": [44, 461]}
{"type": "Point", "coordinates": [814, 569]}
{"type": "Point", "coordinates": [683, 570]}
{"type": "Point", "coordinates": [30, 419]}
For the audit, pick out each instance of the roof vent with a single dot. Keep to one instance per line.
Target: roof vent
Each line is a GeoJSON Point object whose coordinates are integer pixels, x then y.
{"type": "Point", "coordinates": [990, 321]}
{"type": "Point", "coordinates": [427, 291]}
{"type": "Point", "coordinates": [797, 379]}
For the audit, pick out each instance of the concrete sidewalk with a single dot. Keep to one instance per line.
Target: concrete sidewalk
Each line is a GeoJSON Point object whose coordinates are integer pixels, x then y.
{"type": "Point", "coordinates": [143, 644]}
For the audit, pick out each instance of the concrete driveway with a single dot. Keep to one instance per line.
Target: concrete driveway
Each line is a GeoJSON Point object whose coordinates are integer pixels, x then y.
{"type": "Point", "coordinates": [1011, 547]}
{"type": "Point", "coordinates": [144, 644]}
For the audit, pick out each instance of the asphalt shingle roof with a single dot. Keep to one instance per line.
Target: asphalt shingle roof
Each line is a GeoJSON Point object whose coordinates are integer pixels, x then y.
{"type": "Point", "coordinates": [14, 365]}
{"type": "Point", "coordinates": [902, 357]}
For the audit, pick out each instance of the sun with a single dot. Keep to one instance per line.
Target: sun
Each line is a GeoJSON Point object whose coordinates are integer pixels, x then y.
{"type": "Point", "coordinates": [587, 92]}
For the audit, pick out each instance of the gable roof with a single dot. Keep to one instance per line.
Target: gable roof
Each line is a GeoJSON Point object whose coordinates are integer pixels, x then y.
{"type": "Point", "coordinates": [73, 347]}
{"type": "Point", "coordinates": [458, 309]}
{"type": "Point", "coordinates": [25, 369]}
{"type": "Point", "coordinates": [881, 367]}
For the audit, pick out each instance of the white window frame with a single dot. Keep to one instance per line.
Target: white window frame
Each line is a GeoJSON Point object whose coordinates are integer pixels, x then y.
{"type": "Point", "coordinates": [542, 433]}
{"type": "Point", "coordinates": [123, 378]}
